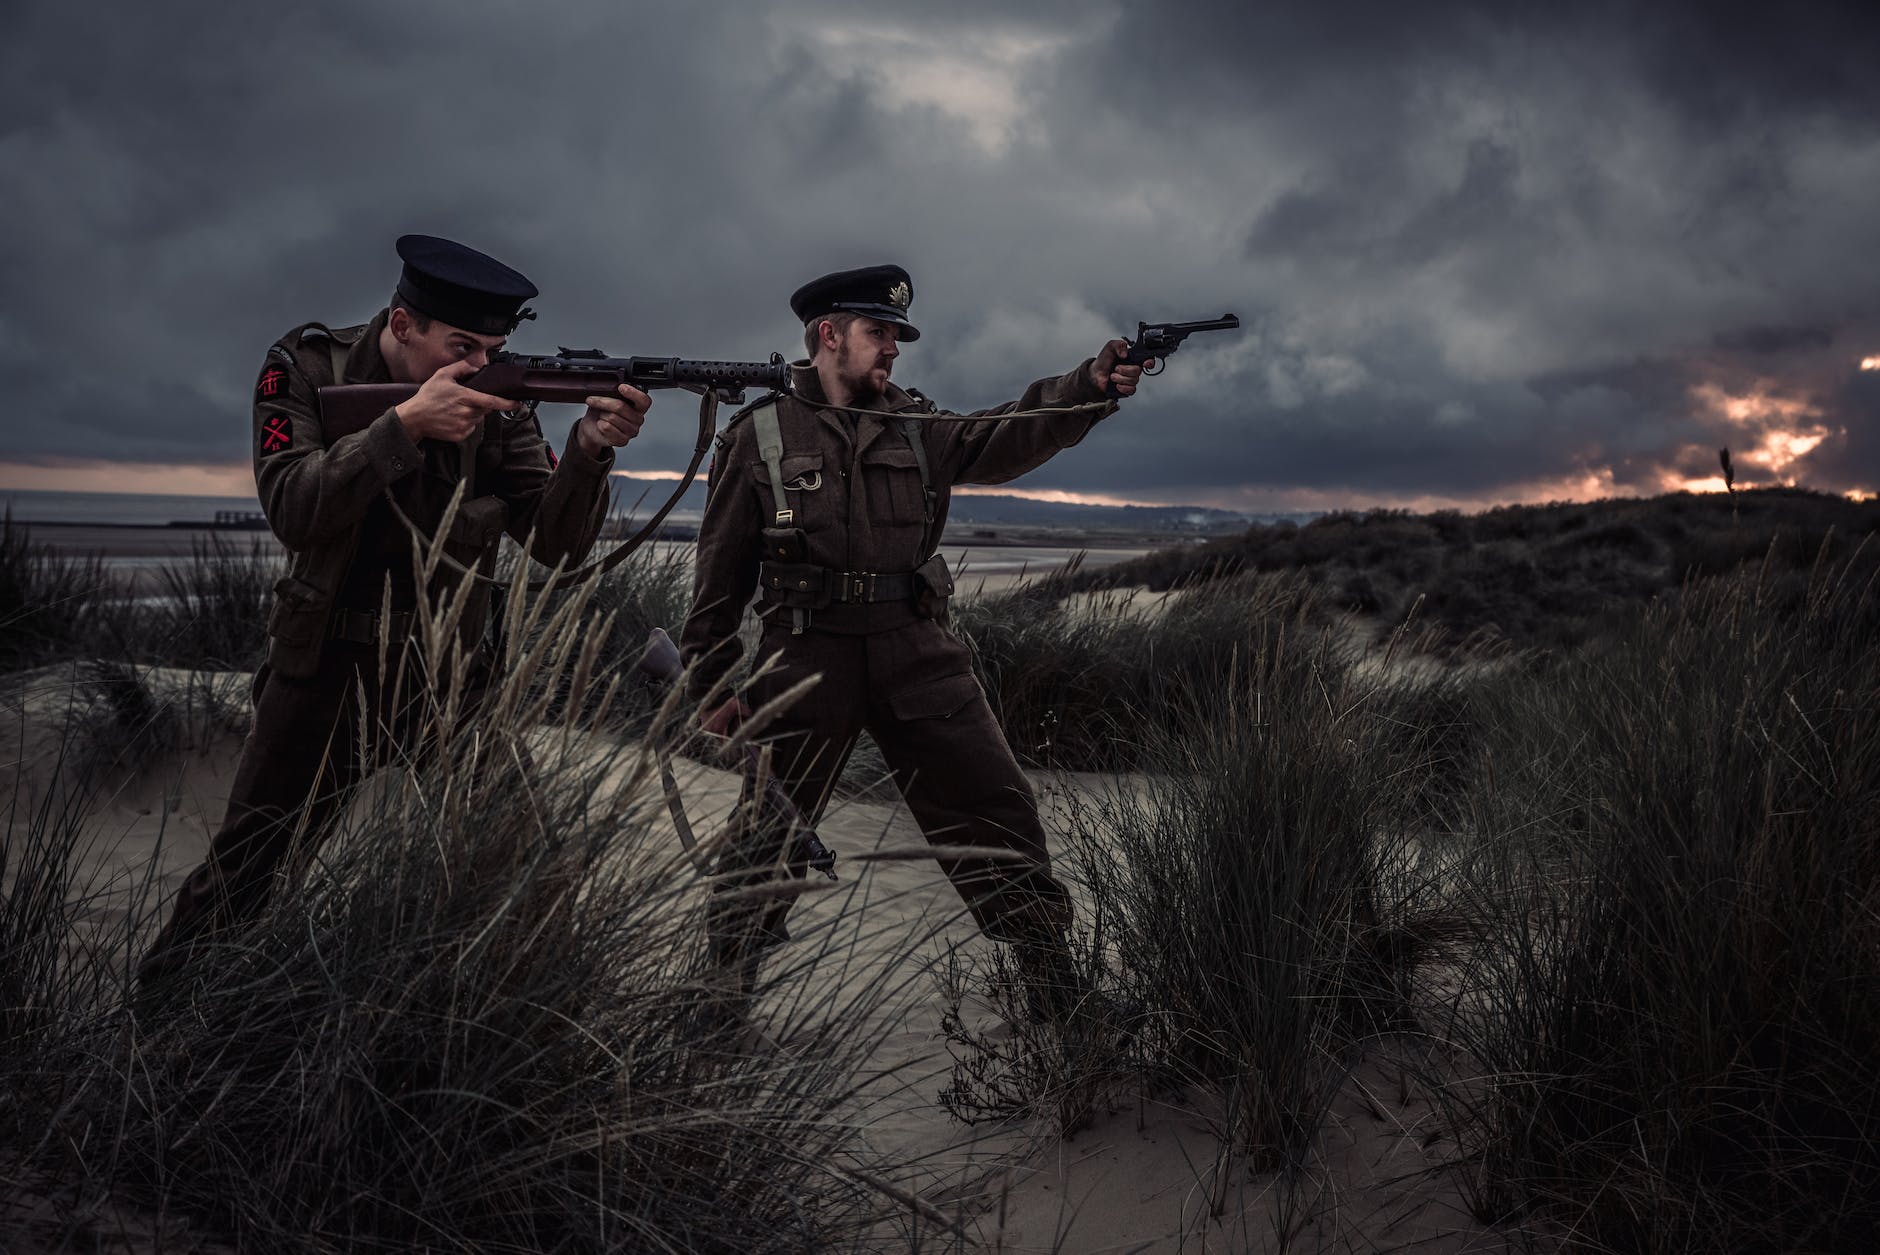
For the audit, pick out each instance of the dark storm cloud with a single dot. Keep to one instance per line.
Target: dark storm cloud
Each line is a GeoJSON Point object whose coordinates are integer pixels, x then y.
{"type": "Point", "coordinates": [1477, 248]}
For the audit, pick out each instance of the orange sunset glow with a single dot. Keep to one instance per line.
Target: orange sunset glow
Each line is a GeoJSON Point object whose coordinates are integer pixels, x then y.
{"type": "Point", "coordinates": [1784, 430]}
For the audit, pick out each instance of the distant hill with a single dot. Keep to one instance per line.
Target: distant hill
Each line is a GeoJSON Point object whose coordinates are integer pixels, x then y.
{"type": "Point", "coordinates": [642, 496]}
{"type": "Point", "coordinates": [1533, 575]}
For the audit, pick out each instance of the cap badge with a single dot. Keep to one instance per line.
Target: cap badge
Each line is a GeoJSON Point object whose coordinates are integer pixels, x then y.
{"type": "Point", "coordinates": [899, 296]}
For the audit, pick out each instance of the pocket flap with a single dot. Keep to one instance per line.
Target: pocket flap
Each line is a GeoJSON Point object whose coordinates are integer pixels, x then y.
{"type": "Point", "coordinates": [298, 615]}
{"type": "Point", "coordinates": [299, 592]}
{"type": "Point", "coordinates": [934, 699]}
{"type": "Point", "coordinates": [890, 452]}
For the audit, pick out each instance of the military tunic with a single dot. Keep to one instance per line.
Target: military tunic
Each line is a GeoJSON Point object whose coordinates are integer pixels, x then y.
{"type": "Point", "coordinates": [325, 501]}
{"type": "Point", "coordinates": [855, 488]}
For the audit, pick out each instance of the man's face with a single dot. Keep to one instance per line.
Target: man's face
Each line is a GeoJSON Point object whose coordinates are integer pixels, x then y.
{"type": "Point", "coordinates": [438, 344]}
{"type": "Point", "coordinates": [865, 356]}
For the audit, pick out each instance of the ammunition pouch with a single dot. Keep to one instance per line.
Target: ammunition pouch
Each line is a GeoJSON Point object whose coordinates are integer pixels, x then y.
{"type": "Point", "coordinates": [933, 585]}
{"type": "Point", "coordinates": [786, 545]}
{"type": "Point", "coordinates": [798, 585]}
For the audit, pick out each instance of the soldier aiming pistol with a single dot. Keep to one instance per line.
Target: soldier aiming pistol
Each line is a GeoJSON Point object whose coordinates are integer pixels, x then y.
{"type": "Point", "coordinates": [1156, 340]}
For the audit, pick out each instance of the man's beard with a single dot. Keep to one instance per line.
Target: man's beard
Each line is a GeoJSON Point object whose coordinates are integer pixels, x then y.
{"type": "Point", "coordinates": [861, 382]}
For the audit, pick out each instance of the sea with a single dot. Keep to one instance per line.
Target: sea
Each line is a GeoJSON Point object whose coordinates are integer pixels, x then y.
{"type": "Point", "coordinates": [118, 509]}
{"type": "Point", "coordinates": [71, 516]}
{"type": "Point", "coordinates": [149, 509]}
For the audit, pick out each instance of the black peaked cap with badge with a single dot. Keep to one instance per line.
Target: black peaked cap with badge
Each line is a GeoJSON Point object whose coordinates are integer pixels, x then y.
{"type": "Point", "coordinates": [880, 292]}
{"type": "Point", "coordinates": [461, 287]}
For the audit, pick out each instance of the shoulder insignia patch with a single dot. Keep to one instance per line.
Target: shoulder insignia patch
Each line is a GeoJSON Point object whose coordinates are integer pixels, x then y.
{"type": "Point", "coordinates": [273, 383]}
{"type": "Point", "coordinates": [276, 434]}
{"type": "Point", "coordinates": [553, 461]}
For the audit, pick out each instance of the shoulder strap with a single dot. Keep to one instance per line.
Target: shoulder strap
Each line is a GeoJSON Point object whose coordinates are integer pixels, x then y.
{"type": "Point", "coordinates": [338, 352]}
{"type": "Point", "coordinates": [769, 433]}
{"type": "Point", "coordinates": [911, 430]}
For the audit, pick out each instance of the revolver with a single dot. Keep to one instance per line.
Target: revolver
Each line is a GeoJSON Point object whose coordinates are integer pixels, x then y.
{"type": "Point", "coordinates": [1156, 340]}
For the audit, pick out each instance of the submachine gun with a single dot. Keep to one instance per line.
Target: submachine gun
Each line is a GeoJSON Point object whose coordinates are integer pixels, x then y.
{"type": "Point", "coordinates": [570, 376]}
{"type": "Point", "coordinates": [1156, 340]}
{"type": "Point", "coordinates": [661, 662]}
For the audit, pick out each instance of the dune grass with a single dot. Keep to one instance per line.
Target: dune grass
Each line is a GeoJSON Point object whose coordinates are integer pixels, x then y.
{"type": "Point", "coordinates": [1674, 999]}
{"type": "Point", "coordinates": [1084, 684]}
{"type": "Point", "coordinates": [466, 1021]}
{"type": "Point", "coordinates": [50, 603]}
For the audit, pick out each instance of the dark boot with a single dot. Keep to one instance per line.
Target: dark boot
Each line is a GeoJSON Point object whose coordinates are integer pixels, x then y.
{"type": "Point", "coordinates": [719, 1019]}
{"type": "Point", "coordinates": [1052, 985]}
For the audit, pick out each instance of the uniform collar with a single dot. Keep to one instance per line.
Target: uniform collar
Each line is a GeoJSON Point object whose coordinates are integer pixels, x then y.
{"type": "Point", "coordinates": [364, 362]}
{"type": "Point", "coordinates": [862, 429]}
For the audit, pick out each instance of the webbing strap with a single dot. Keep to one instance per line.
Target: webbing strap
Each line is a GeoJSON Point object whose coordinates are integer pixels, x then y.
{"type": "Point", "coordinates": [770, 447]}
{"type": "Point", "coordinates": [911, 429]}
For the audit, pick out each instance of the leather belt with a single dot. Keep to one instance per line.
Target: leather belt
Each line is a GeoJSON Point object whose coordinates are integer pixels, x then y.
{"type": "Point", "coordinates": [868, 587]}
{"type": "Point", "coordinates": [361, 627]}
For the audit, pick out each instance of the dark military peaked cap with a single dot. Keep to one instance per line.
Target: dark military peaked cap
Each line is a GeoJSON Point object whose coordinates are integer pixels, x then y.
{"type": "Point", "coordinates": [882, 292]}
{"type": "Point", "coordinates": [458, 285]}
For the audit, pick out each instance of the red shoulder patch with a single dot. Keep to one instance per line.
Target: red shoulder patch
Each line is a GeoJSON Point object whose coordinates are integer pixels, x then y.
{"type": "Point", "coordinates": [553, 461]}
{"type": "Point", "coordinates": [272, 384]}
{"type": "Point", "coordinates": [275, 434]}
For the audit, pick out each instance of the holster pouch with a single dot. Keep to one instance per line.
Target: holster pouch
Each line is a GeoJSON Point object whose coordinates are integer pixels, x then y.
{"type": "Point", "coordinates": [933, 585]}
{"type": "Point", "coordinates": [785, 544]}
{"type": "Point", "coordinates": [476, 529]}
{"type": "Point", "coordinates": [299, 613]}
{"type": "Point", "coordinates": [798, 585]}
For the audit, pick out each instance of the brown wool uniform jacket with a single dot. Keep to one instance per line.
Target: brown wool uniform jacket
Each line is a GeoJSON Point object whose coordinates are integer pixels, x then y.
{"type": "Point", "coordinates": [866, 511]}
{"type": "Point", "coordinates": [326, 501]}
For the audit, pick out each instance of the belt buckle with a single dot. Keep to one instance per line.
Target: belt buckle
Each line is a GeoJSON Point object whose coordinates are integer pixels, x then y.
{"type": "Point", "coordinates": [858, 586]}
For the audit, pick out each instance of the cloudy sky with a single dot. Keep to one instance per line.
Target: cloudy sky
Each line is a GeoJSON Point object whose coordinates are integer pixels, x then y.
{"type": "Point", "coordinates": [1482, 252]}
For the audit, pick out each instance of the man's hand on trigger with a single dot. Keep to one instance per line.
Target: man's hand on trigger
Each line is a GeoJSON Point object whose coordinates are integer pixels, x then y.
{"type": "Point", "coordinates": [725, 718]}
{"type": "Point", "coordinates": [1110, 369]}
{"type": "Point", "coordinates": [612, 421]}
{"type": "Point", "coordinates": [444, 409]}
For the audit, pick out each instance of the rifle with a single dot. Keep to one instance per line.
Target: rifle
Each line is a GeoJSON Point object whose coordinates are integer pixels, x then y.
{"type": "Point", "coordinates": [661, 662]}
{"type": "Point", "coordinates": [1156, 340]}
{"type": "Point", "coordinates": [572, 376]}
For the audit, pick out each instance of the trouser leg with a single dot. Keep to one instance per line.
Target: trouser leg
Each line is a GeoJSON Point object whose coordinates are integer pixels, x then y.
{"type": "Point", "coordinates": [297, 766]}
{"type": "Point", "coordinates": [808, 747]}
{"type": "Point", "coordinates": [962, 783]}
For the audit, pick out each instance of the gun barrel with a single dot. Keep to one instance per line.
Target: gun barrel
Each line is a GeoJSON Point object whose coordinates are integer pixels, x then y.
{"type": "Point", "coordinates": [646, 372]}
{"type": "Point", "coordinates": [1226, 322]}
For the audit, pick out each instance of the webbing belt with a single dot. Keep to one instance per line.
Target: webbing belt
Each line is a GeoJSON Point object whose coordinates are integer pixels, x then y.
{"type": "Point", "coordinates": [361, 627]}
{"type": "Point", "coordinates": [865, 588]}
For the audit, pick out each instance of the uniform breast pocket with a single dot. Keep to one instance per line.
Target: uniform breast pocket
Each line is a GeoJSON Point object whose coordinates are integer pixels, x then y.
{"type": "Point", "coordinates": [802, 482]}
{"type": "Point", "coordinates": [892, 474]}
